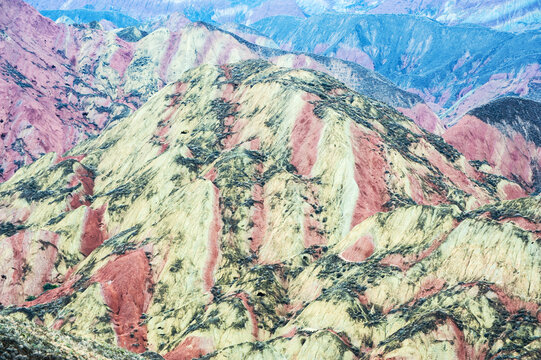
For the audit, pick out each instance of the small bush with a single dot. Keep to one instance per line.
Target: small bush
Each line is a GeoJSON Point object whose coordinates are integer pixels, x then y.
{"type": "Point", "coordinates": [48, 287]}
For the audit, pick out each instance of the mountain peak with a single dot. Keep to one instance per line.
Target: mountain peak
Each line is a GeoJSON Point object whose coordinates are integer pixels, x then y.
{"type": "Point", "coordinates": [509, 123]}
{"type": "Point", "coordinates": [519, 115]}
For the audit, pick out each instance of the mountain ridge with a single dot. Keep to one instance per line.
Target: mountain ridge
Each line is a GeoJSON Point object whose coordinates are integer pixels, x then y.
{"type": "Point", "coordinates": [113, 73]}
{"type": "Point", "coordinates": [517, 16]}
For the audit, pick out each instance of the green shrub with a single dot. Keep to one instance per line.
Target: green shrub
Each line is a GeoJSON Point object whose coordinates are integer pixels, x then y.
{"type": "Point", "coordinates": [48, 287]}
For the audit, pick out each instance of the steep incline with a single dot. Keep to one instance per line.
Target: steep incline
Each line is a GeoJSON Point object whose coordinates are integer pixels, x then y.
{"type": "Point", "coordinates": [45, 101]}
{"type": "Point", "coordinates": [454, 69]}
{"type": "Point", "coordinates": [237, 213]}
{"type": "Point", "coordinates": [505, 135]}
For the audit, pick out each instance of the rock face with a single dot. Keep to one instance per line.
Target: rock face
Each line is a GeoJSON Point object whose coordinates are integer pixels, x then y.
{"type": "Point", "coordinates": [454, 69]}
{"type": "Point", "coordinates": [60, 84]}
{"type": "Point", "coordinates": [43, 100]}
{"type": "Point", "coordinates": [254, 211]}
{"type": "Point", "coordinates": [505, 135]}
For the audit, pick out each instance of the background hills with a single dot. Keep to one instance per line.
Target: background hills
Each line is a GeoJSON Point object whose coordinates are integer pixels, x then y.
{"type": "Point", "coordinates": [516, 16]}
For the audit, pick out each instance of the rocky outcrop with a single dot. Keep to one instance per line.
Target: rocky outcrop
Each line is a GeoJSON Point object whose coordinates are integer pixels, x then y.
{"type": "Point", "coordinates": [257, 211]}
{"type": "Point", "coordinates": [503, 137]}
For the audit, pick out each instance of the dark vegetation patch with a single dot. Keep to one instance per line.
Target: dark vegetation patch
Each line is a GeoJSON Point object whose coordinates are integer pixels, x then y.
{"type": "Point", "coordinates": [9, 229]}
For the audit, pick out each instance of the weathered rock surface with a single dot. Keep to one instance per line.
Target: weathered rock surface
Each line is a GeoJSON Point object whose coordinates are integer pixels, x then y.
{"type": "Point", "coordinates": [253, 211]}
{"type": "Point", "coordinates": [22, 340]}
{"type": "Point", "coordinates": [44, 101]}
{"type": "Point", "coordinates": [504, 137]}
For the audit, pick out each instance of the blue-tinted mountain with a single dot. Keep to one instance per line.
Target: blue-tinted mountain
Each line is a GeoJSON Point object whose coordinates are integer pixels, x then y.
{"type": "Point", "coordinates": [507, 15]}
{"type": "Point", "coordinates": [84, 16]}
{"type": "Point", "coordinates": [455, 68]}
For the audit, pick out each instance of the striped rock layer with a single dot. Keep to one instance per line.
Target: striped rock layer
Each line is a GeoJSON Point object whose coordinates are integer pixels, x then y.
{"type": "Point", "coordinates": [504, 137]}
{"type": "Point", "coordinates": [253, 211]}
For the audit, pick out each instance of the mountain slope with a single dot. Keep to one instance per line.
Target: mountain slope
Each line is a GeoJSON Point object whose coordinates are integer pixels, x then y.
{"type": "Point", "coordinates": [60, 84]}
{"type": "Point", "coordinates": [234, 214]}
{"type": "Point", "coordinates": [504, 134]}
{"type": "Point", "coordinates": [24, 340]}
{"type": "Point", "coordinates": [454, 69]}
{"type": "Point", "coordinates": [45, 100]}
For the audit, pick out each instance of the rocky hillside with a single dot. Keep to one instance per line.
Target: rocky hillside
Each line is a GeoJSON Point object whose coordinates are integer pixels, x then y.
{"type": "Point", "coordinates": [46, 102]}
{"type": "Point", "coordinates": [254, 211]}
{"type": "Point", "coordinates": [453, 68]}
{"type": "Point", "coordinates": [61, 83]}
{"type": "Point", "coordinates": [504, 137]}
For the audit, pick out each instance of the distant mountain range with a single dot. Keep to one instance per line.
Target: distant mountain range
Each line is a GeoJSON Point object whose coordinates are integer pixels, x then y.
{"type": "Point", "coordinates": [453, 68]}
{"type": "Point", "coordinates": [84, 16]}
{"type": "Point", "coordinates": [515, 16]}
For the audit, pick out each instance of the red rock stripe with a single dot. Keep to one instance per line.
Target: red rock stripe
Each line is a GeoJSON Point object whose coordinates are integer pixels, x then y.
{"type": "Point", "coordinates": [305, 137]}
{"type": "Point", "coordinates": [126, 283]}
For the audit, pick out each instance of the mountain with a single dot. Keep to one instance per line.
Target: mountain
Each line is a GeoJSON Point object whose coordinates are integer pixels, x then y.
{"type": "Point", "coordinates": [453, 68]}
{"type": "Point", "coordinates": [515, 16]}
{"type": "Point", "coordinates": [244, 12]}
{"type": "Point", "coordinates": [63, 83]}
{"type": "Point", "coordinates": [48, 103]}
{"type": "Point", "coordinates": [84, 16]}
{"type": "Point", "coordinates": [505, 135]}
{"type": "Point", "coordinates": [251, 210]}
